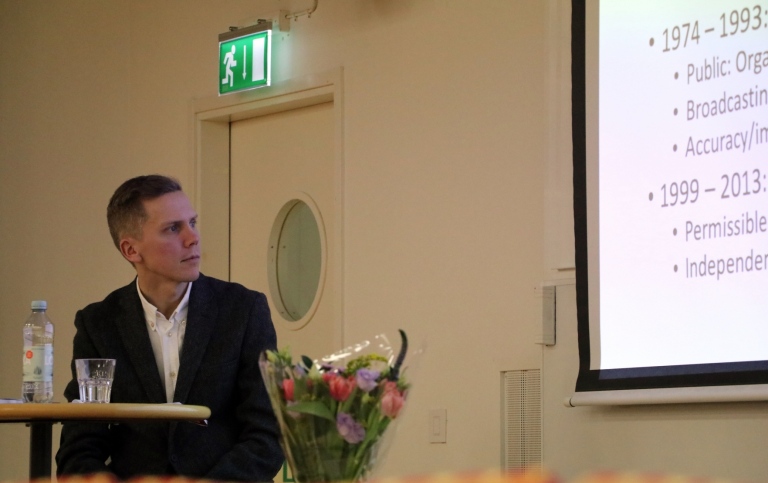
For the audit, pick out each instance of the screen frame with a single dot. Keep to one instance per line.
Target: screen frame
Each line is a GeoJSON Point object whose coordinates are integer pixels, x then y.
{"type": "Point", "coordinates": [589, 379]}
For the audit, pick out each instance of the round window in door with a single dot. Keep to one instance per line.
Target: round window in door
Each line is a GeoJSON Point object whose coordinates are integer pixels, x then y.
{"type": "Point", "coordinates": [297, 260]}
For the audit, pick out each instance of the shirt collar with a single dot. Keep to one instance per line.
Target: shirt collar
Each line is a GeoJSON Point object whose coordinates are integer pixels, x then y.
{"type": "Point", "coordinates": [150, 311]}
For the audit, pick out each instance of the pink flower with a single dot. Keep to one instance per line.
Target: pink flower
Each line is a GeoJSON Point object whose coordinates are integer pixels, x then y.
{"type": "Point", "coordinates": [340, 388]}
{"type": "Point", "coordinates": [392, 402]}
{"type": "Point", "coordinates": [288, 389]}
{"type": "Point", "coordinates": [390, 386]}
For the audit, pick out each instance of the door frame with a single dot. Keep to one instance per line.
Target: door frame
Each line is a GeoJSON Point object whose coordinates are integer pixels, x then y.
{"type": "Point", "coordinates": [212, 167]}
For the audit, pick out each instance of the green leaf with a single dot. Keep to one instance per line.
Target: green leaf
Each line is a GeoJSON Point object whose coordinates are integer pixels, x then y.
{"type": "Point", "coordinates": [315, 408]}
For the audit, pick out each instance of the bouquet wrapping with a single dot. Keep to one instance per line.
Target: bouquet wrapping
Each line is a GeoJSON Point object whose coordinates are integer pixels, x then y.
{"type": "Point", "coordinates": [333, 412]}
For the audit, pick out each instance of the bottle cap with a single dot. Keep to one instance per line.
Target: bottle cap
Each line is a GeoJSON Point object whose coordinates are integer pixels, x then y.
{"type": "Point", "coordinates": [39, 305]}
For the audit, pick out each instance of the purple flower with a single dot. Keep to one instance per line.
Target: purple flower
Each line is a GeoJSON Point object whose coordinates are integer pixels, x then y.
{"type": "Point", "coordinates": [349, 429]}
{"type": "Point", "coordinates": [366, 379]}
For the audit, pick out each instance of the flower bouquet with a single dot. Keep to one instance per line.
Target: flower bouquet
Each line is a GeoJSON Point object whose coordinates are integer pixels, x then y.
{"type": "Point", "coordinates": [333, 412]}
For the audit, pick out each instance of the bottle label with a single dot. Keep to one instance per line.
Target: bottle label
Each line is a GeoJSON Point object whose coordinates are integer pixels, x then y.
{"type": "Point", "coordinates": [38, 363]}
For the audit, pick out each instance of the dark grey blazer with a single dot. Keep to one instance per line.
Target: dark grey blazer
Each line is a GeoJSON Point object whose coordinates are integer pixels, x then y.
{"type": "Point", "coordinates": [228, 326]}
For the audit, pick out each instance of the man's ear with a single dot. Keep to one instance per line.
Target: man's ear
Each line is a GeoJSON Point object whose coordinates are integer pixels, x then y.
{"type": "Point", "coordinates": [128, 249]}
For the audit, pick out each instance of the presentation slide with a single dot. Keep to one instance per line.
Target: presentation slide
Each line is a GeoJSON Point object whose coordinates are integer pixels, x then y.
{"type": "Point", "coordinates": [683, 182]}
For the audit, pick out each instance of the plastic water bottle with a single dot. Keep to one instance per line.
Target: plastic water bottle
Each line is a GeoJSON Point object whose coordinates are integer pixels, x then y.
{"type": "Point", "coordinates": [37, 368]}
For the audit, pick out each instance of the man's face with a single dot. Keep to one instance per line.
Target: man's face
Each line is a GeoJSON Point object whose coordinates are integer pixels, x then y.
{"type": "Point", "coordinates": [169, 248]}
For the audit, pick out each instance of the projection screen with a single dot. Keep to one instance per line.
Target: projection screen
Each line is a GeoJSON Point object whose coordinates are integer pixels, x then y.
{"type": "Point", "coordinates": [670, 138]}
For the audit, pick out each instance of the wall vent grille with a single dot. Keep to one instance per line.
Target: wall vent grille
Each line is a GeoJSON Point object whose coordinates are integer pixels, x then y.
{"type": "Point", "coordinates": [521, 403]}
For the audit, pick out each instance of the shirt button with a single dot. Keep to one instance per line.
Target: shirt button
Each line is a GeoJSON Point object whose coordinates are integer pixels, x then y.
{"type": "Point", "coordinates": [173, 374]}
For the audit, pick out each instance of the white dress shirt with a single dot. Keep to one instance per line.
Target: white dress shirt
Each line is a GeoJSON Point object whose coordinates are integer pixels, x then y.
{"type": "Point", "coordinates": [166, 336]}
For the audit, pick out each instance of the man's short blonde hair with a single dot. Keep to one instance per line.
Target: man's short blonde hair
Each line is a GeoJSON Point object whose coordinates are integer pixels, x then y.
{"type": "Point", "coordinates": [125, 211]}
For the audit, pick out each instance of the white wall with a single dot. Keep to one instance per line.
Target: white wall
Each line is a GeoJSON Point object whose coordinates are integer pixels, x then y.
{"type": "Point", "coordinates": [456, 184]}
{"type": "Point", "coordinates": [445, 131]}
{"type": "Point", "coordinates": [708, 440]}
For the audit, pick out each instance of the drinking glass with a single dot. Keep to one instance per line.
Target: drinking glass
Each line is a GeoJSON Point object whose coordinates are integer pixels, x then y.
{"type": "Point", "coordinates": [94, 376]}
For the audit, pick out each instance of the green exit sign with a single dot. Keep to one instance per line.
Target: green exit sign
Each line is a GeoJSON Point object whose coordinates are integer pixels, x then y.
{"type": "Point", "coordinates": [245, 58]}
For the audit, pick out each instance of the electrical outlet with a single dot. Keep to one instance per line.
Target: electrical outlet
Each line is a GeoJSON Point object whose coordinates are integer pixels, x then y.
{"type": "Point", "coordinates": [438, 422]}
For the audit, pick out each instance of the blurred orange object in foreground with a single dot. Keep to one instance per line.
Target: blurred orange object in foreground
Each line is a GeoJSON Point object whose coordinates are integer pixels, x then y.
{"type": "Point", "coordinates": [490, 476]}
{"type": "Point", "coordinates": [630, 477]}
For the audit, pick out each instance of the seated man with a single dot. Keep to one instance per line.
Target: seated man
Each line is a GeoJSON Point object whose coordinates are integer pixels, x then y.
{"type": "Point", "coordinates": [177, 336]}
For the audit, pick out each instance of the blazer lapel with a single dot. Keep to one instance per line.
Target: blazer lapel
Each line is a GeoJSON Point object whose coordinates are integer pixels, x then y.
{"type": "Point", "coordinates": [201, 318]}
{"type": "Point", "coordinates": [133, 331]}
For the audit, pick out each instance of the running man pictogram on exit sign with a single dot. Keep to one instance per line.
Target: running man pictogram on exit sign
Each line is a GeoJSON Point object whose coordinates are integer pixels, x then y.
{"type": "Point", "coordinates": [245, 58]}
